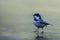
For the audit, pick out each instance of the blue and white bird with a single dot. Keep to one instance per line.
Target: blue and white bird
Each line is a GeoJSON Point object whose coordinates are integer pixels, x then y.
{"type": "Point", "coordinates": [38, 22]}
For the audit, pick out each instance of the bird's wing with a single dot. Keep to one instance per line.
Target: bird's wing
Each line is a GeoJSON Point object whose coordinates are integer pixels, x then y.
{"type": "Point", "coordinates": [43, 22]}
{"type": "Point", "coordinates": [40, 20]}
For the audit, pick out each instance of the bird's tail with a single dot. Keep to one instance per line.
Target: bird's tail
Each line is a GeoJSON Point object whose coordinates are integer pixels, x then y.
{"type": "Point", "coordinates": [49, 24]}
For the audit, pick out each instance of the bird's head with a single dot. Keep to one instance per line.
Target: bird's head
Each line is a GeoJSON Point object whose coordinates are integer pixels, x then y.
{"type": "Point", "coordinates": [37, 16]}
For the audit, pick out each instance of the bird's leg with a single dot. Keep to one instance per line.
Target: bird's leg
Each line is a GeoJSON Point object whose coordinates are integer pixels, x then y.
{"type": "Point", "coordinates": [42, 31]}
{"type": "Point", "coordinates": [36, 30]}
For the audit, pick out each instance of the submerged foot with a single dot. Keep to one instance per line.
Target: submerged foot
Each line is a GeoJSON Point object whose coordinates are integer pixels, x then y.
{"type": "Point", "coordinates": [42, 32]}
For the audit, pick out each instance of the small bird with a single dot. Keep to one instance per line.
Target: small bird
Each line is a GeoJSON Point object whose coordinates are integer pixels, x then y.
{"type": "Point", "coordinates": [38, 22]}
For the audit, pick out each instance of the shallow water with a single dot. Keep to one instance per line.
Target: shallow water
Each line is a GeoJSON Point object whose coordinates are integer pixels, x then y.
{"type": "Point", "coordinates": [30, 36]}
{"type": "Point", "coordinates": [16, 20]}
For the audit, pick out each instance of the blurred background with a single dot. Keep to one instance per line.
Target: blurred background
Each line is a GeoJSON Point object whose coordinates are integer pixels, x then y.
{"type": "Point", "coordinates": [16, 18]}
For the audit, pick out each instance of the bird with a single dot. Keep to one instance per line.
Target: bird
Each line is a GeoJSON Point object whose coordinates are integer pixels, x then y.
{"type": "Point", "coordinates": [39, 22]}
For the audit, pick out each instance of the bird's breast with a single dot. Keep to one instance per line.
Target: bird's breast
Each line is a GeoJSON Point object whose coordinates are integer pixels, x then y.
{"type": "Point", "coordinates": [37, 23]}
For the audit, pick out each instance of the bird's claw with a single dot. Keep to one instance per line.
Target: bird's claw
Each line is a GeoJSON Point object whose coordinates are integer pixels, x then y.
{"type": "Point", "coordinates": [42, 32]}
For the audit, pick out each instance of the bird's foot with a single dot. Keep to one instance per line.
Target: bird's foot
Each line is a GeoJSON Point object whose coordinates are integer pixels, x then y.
{"type": "Point", "coordinates": [34, 31]}
{"type": "Point", "coordinates": [42, 32]}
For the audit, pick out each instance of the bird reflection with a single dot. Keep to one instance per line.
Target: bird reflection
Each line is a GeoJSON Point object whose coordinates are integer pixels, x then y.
{"type": "Point", "coordinates": [40, 37]}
